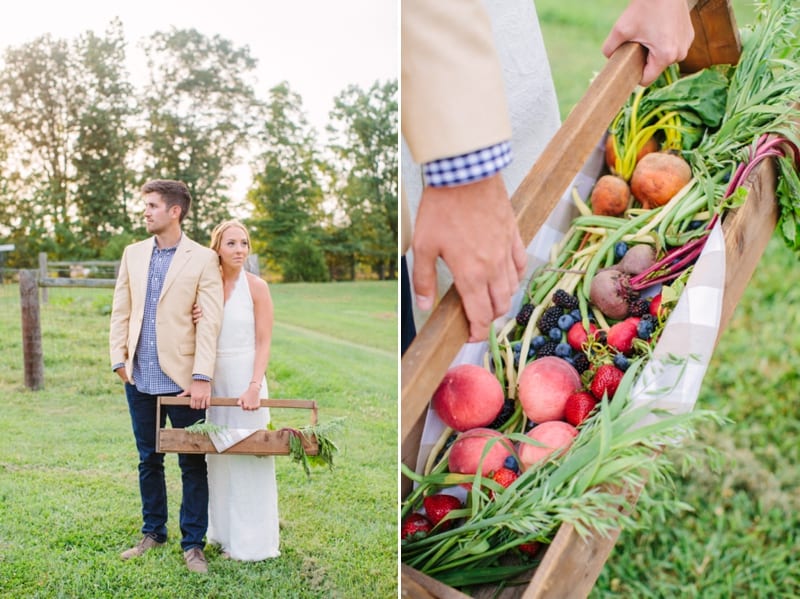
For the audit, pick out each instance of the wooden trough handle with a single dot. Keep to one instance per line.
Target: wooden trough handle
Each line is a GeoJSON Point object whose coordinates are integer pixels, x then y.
{"type": "Point", "coordinates": [308, 404]}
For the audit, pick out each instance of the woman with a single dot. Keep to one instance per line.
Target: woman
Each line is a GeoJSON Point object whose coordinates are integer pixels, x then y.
{"type": "Point", "coordinates": [243, 497]}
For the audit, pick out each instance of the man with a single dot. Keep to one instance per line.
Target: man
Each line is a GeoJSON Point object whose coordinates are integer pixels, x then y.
{"type": "Point", "coordinates": [157, 350]}
{"type": "Point", "coordinates": [458, 60]}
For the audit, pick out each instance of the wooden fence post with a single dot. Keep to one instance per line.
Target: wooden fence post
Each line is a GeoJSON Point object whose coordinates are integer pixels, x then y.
{"type": "Point", "coordinates": [31, 331]}
{"type": "Point", "coordinates": [43, 274]}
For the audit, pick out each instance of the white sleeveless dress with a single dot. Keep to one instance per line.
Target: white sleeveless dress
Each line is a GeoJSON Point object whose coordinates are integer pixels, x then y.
{"type": "Point", "coordinates": [243, 495]}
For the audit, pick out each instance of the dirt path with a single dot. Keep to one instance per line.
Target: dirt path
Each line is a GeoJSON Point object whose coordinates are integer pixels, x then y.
{"type": "Point", "coordinates": [331, 338]}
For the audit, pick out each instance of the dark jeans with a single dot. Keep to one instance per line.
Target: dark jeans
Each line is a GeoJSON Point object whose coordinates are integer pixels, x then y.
{"type": "Point", "coordinates": [407, 331]}
{"type": "Point", "coordinates": [152, 485]}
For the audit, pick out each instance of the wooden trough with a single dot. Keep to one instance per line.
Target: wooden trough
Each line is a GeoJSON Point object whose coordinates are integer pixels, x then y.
{"type": "Point", "coordinates": [571, 565]}
{"type": "Point", "coordinates": [260, 442]}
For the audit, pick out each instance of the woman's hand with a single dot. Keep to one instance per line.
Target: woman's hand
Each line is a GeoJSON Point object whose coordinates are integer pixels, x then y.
{"type": "Point", "coordinates": [249, 400]}
{"type": "Point", "coordinates": [197, 313]}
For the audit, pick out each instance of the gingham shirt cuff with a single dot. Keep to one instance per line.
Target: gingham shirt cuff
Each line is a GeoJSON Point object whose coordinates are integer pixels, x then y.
{"type": "Point", "coordinates": [469, 167]}
{"type": "Point", "coordinates": [201, 377]}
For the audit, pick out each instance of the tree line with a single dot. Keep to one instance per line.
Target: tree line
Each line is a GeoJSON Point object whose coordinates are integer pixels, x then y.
{"type": "Point", "coordinates": [77, 140]}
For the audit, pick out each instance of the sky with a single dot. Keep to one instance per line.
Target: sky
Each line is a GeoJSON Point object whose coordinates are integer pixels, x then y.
{"type": "Point", "coordinates": [318, 46]}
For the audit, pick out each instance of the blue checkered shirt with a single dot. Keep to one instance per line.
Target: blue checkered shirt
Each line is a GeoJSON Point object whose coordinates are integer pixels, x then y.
{"type": "Point", "coordinates": [147, 373]}
{"type": "Point", "coordinates": [469, 167]}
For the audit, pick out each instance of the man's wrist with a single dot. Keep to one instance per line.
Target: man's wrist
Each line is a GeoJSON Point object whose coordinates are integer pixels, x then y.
{"type": "Point", "coordinates": [469, 167]}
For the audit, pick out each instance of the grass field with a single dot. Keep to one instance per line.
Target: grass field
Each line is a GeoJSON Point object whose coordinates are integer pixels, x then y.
{"type": "Point", "coordinates": [743, 538]}
{"type": "Point", "coordinates": [69, 500]}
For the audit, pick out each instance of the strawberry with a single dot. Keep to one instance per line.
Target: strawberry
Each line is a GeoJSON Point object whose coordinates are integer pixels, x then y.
{"type": "Point", "coordinates": [578, 407]}
{"type": "Point", "coordinates": [438, 506]}
{"type": "Point", "coordinates": [621, 335]}
{"type": "Point", "coordinates": [655, 306]}
{"type": "Point", "coordinates": [415, 525]}
{"type": "Point", "coordinates": [577, 336]}
{"type": "Point", "coordinates": [529, 548]}
{"type": "Point", "coordinates": [504, 477]}
{"type": "Point", "coordinates": [605, 381]}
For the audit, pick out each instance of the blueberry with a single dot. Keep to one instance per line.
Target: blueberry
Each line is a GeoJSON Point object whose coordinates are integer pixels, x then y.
{"type": "Point", "coordinates": [555, 334]}
{"type": "Point", "coordinates": [571, 361]}
{"type": "Point", "coordinates": [531, 352]}
{"type": "Point", "coordinates": [576, 315]}
{"type": "Point", "coordinates": [621, 362]}
{"type": "Point", "coordinates": [563, 350]}
{"type": "Point", "coordinates": [511, 463]}
{"type": "Point", "coordinates": [538, 342]}
{"type": "Point", "coordinates": [695, 224]}
{"type": "Point", "coordinates": [565, 322]}
{"type": "Point", "coordinates": [644, 329]}
{"type": "Point", "coordinates": [620, 249]}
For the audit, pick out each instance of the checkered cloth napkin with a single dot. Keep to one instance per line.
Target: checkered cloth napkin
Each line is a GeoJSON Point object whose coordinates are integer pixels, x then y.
{"type": "Point", "coordinates": [682, 354]}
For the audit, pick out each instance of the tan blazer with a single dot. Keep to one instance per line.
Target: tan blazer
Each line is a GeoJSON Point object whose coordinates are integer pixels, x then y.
{"type": "Point", "coordinates": [193, 276]}
{"type": "Point", "coordinates": [452, 93]}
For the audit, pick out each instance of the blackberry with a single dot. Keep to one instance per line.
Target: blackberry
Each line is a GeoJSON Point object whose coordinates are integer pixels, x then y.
{"type": "Point", "coordinates": [548, 349]}
{"type": "Point", "coordinates": [564, 300]}
{"type": "Point", "coordinates": [549, 319]}
{"type": "Point", "coordinates": [640, 307]}
{"type": "Point", "coordinates": [524, 314]}
{"type": "Point", "coordinates": [505, 413]}
{"type": "Point", "coordinates": [581, 362]}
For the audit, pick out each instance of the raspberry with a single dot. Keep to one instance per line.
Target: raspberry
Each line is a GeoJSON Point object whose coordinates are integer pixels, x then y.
{"type": "Point", "coordinates": [524, 314]}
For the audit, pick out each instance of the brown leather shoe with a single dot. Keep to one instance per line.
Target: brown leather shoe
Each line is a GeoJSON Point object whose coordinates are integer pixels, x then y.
{"type": "Point", "coordinates": [195, 560]}
{"type": "Point", "coordinates": [145, 544]}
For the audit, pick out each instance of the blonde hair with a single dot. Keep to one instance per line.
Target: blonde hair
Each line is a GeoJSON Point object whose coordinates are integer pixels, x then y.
{"type": "Point", "coordinates": [216, 234]}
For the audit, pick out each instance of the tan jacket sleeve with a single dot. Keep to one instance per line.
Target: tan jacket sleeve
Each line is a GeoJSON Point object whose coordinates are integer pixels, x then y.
{"type": "Point", "coordinates": [452, 95]}
{"type": "Point", "coordinates": [120, 315]}
{"type": "Point", "coordinates": [210, 297]}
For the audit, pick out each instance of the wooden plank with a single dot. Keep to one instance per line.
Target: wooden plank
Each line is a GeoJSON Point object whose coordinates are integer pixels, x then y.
{"type": "Point", "coordinates": [716, 35]}
{"type": "Point", "coordinates": [747, 232]}
{"type": "Point", "coordinates": [420, 586]}
{"type": "Point", "coordinates": [261, 442]}
{"type": "Point", "coordinates": [76, 282]}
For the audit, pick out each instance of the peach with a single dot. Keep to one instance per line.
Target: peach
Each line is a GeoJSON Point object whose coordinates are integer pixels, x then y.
{"type": "Point", "coordinates": [469, 396]}
{"type": "Point", "coordinates": [544, 387]}
{"type": "Point", "coordinates": [554, 436]}
{"type": "Point", "coordinates": [465, 454]}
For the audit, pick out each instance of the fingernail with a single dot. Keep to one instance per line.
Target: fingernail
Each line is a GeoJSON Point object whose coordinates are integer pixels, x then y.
{"type": "Point", "coordinates": [424, 302]}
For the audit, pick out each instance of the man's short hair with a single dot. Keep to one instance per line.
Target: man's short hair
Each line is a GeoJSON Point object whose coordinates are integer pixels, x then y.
{"type": "Point", "coordinates": [174, 193]}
